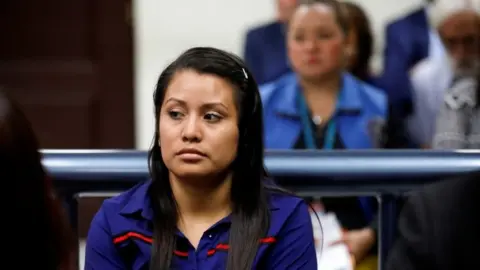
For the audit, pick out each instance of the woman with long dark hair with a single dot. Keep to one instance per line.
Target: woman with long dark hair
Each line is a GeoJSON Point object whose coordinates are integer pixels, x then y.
{"type": "Point", "coordinates": [208, 205]}
{"type": "Point", "coordinates": [35, 222]}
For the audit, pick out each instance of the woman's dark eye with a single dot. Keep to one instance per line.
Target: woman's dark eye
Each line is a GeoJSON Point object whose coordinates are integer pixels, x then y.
{"type": "Point", "coordinates": [211, 117]}
{"type": "Point", "coordinates": [174, 114]}
{"type": "Point", "coordinates": [324, 36]}
{"type": "Point", "coordinates": [299, 38]}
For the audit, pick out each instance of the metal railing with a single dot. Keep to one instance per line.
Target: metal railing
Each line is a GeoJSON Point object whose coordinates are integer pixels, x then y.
{"type": "Point", "coordinates": [382, 173]}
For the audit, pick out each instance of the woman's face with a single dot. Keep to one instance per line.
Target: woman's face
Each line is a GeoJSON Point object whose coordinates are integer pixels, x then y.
{"type": "Point", "coordinates": [198, 125]}
{"type": "Point", "coordinates": [315, 41]}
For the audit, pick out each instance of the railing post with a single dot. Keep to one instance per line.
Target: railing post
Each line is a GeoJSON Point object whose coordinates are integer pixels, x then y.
{"type": "Point", "coordinates": [387, 225]}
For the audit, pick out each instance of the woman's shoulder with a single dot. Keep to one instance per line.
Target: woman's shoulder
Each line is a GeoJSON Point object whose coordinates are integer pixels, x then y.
{"type": "Point", "coordinates": [280, 197]}
{"type": "Point", "coordinates": [287, 212]}
{"type": "Point", "coordinates": [138, 193]}
{"type": "Point", "coordinates": [270, 89]}
{"type": "Point", "coordinates": [373, 92]}
{"type": "Point", "coordinates": [117, 211]}
{"type": "Point", "coordinates": [374, 97]}
{"type": "Point", "coordinates": [284, 205]}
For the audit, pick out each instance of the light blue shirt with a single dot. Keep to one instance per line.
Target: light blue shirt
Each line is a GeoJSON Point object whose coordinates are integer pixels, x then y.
{"type": "Point", "coordinates": [430, 79]}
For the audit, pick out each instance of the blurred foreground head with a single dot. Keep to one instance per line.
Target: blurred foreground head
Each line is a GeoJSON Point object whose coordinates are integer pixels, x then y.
{"type": "Point", "coordinates": [34, 219]}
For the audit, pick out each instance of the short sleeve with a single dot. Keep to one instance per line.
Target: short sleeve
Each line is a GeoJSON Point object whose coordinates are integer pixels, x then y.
{"type": "Point", "coordinates": [295, 247]}
{"type": "Point", "coordinates": [101, 253]}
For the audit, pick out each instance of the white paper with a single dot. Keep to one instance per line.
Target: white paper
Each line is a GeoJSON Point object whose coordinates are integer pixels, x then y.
{"type": "Point", "coordinates": [329, 257]}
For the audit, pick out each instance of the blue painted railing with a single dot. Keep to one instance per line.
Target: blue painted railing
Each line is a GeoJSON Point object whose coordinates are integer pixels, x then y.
{"type": "Point", "coordinates": [382, 173]}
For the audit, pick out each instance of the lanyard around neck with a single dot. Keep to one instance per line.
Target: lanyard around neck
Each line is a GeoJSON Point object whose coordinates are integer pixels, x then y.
{"type": "Point", "coordinates": [308, 130]}
{"type": "Point", "coordinates": [329, 140]}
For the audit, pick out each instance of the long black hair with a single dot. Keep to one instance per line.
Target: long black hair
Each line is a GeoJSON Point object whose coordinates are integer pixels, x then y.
{"type": "Point", "coordinates": [250, 213]}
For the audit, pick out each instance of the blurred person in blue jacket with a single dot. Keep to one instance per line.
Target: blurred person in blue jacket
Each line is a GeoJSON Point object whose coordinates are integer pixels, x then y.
{"type": "Point", "coordinates": [320, 106]}
{"type": "Point", "coordinates": [264, 48]}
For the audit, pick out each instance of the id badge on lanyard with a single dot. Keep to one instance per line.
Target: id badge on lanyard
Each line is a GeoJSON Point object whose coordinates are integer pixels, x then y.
{"type": "Point", "coordinates": [329, 141]}
{"type": "Point", "coordinates": [308, 132]}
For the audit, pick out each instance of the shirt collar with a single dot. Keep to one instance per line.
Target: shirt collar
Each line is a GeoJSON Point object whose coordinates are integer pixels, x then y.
{"type": "Point", "coordinates": [288, 87]}
{"type": "Point", "coordinates": [139, 202]}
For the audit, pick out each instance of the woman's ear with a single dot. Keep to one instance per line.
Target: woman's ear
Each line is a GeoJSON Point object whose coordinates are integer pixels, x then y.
{"type": "Point", "coordinates": [350, 38]}
{"type": "Point", "coordinates": [350, 48]}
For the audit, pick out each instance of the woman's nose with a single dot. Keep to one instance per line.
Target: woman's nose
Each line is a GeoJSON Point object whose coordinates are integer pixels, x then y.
{"type": "Point", "coordinates": [191, 129]}
{"type": "Point", "coordinates": [311, 45]}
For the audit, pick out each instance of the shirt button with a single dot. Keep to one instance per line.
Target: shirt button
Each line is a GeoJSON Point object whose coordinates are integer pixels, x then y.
{"type": "Point", "coordinates": [209, 236]}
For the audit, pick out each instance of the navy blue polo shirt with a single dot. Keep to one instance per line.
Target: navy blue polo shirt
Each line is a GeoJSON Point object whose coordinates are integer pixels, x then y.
{"type": "Point", "coordinates": [120, 237]}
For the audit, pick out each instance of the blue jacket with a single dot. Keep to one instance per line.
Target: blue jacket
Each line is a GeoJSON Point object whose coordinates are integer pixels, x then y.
{"type": "Point", "coordinates": [360, 105]}
{"type": "Point", "coordinates": [265, 52]}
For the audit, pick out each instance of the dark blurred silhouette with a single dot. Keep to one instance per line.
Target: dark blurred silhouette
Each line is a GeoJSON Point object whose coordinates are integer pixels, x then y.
{"type": "Point", "coordinates": [406, 44]}
{"type": "Point", "coordinates": [439, 227]}
{"type": "Point", "coordinates": [36, 225]}
{"type": "Point", "coordinates": [264, 50]}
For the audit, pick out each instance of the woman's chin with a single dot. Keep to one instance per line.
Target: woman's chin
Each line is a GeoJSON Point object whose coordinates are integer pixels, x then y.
{"type": "Point", "coordinates": [192, 171]}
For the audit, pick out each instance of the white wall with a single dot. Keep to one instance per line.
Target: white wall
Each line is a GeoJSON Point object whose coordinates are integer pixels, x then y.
{"type": "Point", "coordinates": [165, 28]}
